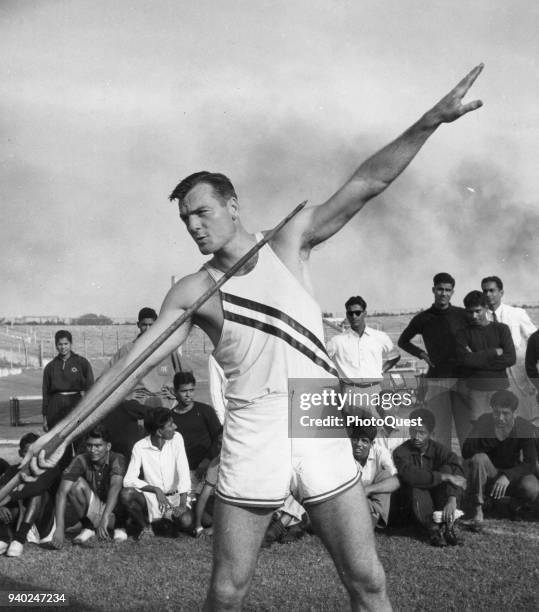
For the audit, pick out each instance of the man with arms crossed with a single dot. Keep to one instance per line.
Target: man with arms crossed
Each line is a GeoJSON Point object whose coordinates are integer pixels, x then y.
{"type": "Point", "coordinates": [267, 327]}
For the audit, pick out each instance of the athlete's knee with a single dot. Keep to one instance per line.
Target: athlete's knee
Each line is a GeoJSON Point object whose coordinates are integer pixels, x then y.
{"type": "Point", "coordinates": [368, 582]}
{"type": "Point", "coordinates": [226, 594]}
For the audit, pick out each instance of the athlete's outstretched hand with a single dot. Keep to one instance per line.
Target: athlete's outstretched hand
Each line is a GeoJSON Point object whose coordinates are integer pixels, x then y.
{"type": "Point", "coordinates": [450, 107]}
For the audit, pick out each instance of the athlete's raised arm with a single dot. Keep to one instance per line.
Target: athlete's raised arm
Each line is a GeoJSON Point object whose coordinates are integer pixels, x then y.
{"type": "Point", "coordinates": [319, 223]}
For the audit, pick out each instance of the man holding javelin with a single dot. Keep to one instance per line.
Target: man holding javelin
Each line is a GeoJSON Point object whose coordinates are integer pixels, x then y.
{"type": "Point", "coordinates": [267, 328]}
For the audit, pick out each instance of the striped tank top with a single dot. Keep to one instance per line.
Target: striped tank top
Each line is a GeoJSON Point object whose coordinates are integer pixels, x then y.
{"type": "Point", "coordinates": [272, 331]}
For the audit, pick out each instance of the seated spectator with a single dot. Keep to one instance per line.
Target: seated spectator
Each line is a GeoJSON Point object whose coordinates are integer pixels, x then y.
{"type": "Point", "coordinates": [161, 492]}
{"type": "Point", "coordinates": [502, 457]}
{"type": "Point", "coordinates": [377, 472]}
{"type": "Point", "coordinates": [205, 501]}
{"type": "Point", "coordinates": [199, 426]}
{"type": "Point", "coordinates": [92, 483]}
{"type": "Point", "coordinates": [31, 506]}
{"type": "Point", "coordinates": [431, 478]}
{"type": "Point", "coordinates": [288, 523]}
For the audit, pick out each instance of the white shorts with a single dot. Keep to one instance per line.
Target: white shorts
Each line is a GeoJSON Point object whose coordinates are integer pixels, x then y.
{"type": "Point", "coordinates": [95, 509]}
{"type": "Point", "coordinates": [260, 465]}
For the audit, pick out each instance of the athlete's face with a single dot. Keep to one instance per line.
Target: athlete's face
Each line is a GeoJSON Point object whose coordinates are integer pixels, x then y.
{"type": "Point", "coordinates": [442, 294]}
{"type": "Point", "coordinates": [63, 346]}
{"type": "Point", "coordinates": [493, 294]}
{"type": "Point", "coordinates": [185, 394]}
{"type": "Point", "coordinates": [210, 219]}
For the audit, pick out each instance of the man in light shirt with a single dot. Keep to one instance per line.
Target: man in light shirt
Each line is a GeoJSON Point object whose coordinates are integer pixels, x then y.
{"type": "Point", "coordinates": [378, 473]}
{"type": "Point", "coordinates": [362, 354]}
{"type": "Point", "coordinates": [521, 329]}
{"type": "Point", "coordinates": [162, 490]}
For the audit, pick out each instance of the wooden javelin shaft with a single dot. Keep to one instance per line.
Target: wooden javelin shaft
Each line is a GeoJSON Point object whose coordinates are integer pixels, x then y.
{"type": "Point", "coordinates": [77, 418]}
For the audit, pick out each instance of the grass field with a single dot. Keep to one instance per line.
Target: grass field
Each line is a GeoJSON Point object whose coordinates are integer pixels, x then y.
{"type": "Point", "coordinates": [496, 570]}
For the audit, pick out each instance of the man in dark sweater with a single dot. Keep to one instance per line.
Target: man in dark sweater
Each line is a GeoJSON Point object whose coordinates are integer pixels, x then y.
{"type": "Point", "coordinates": [432, 479]}
{"type": "Point", "coordinates": [502, 456]}
{"type": "Point", "coordinates": [484, 350]}
{"type": "Point", "coordinates": [438, 326]}
{"type": "Point", "coordinates": [199, 426]}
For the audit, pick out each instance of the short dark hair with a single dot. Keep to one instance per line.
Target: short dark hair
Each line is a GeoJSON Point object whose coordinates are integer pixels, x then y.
{"type": "Point", "coordinates": [493, 279]}
{"type": "Point", "coordinates": [28, 438]}
{"type": "Point", "coordinates": [426, 416]}
{"type": "Point", "coordinates": [221, 184]}
{"type": "Point", "coordinates": [99, 431]}
{"type": "Point", "coordinates": [183, 378]}
{"type": "Point", "coordinates": [362, 431]}
{"type": "Point", "coordinates": [157, 418]}
{"type": "Point", "coordinates": [62, 333]}
{"type": "Point", "coordinates": [475, 298]}
{"type": "Point", "coordinates": [146, 313]}
{"type": "Point", "coordinates": [504, 399]}
{"type": "Point", "coordinates": [356, 299]}
{"type": "Point", "coordinates": [443, 277]}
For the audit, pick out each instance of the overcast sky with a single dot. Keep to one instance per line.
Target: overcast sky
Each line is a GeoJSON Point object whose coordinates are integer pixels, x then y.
{"type": "Point", "coordinates": [105, 106]}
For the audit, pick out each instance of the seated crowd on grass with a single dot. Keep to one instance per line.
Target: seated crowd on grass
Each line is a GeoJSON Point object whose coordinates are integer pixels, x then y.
{"type": "Point", "coordinates": [123, 480]}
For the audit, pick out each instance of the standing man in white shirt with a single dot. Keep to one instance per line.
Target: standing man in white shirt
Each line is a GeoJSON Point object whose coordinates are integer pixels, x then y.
{"type": "Point", "coordinates": [362, 354]}
{"type": "Point", "coordinates": [521, 329]}
{"type": "Point", "coordinates": [162, 490]}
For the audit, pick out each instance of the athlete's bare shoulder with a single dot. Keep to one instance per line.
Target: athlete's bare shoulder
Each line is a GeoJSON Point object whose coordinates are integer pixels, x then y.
{"type": "Point", "coordinates": [188, 289]}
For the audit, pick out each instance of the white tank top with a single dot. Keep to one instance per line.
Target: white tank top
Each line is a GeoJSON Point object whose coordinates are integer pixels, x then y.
{"type": "Point", "coordinates": [272, 331]}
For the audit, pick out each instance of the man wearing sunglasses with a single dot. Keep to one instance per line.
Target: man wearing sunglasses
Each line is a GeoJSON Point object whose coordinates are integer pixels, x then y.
{"type": "Point", "coordinates": [362, 354]}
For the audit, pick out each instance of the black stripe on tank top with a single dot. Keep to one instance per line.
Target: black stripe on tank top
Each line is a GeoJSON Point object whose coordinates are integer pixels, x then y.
{"type": "Point", "coordinates": [279, 333]}
{"type": "Point", "coordinates": [276, 314]}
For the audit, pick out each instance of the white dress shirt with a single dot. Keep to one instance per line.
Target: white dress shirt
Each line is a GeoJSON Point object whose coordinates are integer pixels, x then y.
{"type": "Point", "coordinates": [362, 356]}
{"type": "Point", "coordinates": [379, 459]}
{"type": "Point", "coordinates": [167, 469]}
{"type": "Point", "coordinates": [519, 323]}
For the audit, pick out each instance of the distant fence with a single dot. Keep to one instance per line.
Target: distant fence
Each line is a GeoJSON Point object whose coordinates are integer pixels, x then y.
{"type": "Point", "coordinates": [32, 346]}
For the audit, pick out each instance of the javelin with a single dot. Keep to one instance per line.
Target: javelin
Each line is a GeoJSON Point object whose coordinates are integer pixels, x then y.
{"type": "Point", "coordinates": [72, 421]}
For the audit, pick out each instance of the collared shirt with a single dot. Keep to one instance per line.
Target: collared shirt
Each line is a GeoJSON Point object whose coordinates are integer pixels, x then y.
{"type": "Point", "coordinates": [379, 459]}
{"type": "Point", "coordinates": [361, 356]}
{"type": "Point", "coordinates": [519, 323]}
{"type": "Point", "coordinates": [417, 468]}
{"type": "Point", "coordinates": [167, 468]}
{"type": "Point", "coordinates": [98, 476]}
{"type": "Point", "coordinates": [66, 376]}
{"type": "Point", "coordinates": [515, 456]}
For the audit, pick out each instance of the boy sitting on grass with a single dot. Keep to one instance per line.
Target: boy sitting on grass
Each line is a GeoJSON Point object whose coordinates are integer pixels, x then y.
{"type": "Point", "coordinates": [377, 471]}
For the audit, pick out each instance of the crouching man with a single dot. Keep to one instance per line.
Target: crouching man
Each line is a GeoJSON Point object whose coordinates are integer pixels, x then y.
{"type": "Point", "coordinates": [501, 454]}
{"type": "Point", "coordinates": [92, 483]}
{"type": "Point", "coordinates": [432, 480]}
{"type": "Point", "coordinates": [377, 472]}
{"type": "Point", "coordinates": [161, 492]}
